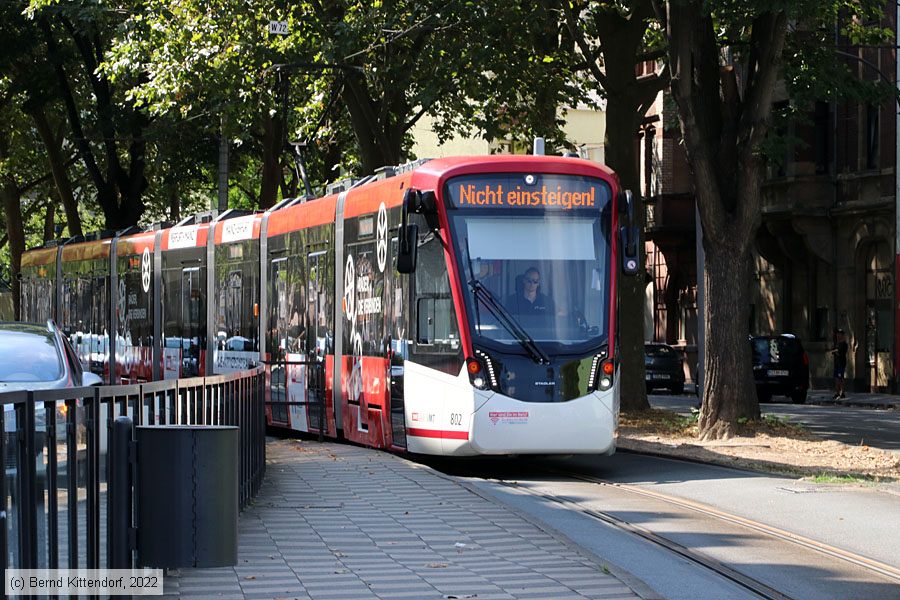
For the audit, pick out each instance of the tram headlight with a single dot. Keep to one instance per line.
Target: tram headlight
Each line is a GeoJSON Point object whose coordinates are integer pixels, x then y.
{"type": "Point", "coordinates": [476, 373]}
{"type": "Point", "coordinates": [602, 372]}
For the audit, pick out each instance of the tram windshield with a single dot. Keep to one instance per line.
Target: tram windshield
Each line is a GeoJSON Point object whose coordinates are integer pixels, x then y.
{"type": "Point", "coordinates": [536, 274]}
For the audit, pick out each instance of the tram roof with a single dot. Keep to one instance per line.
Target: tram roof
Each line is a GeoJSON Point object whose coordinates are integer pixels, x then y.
{"type": "Point", "coordinates": [434, 172]}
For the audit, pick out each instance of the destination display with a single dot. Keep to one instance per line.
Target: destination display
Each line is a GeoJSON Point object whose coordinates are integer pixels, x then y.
{"type": "Point", "coordinates": [527, 191]}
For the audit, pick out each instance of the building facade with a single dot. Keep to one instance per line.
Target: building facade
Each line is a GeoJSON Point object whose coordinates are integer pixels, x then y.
{"type": "Point", "coordinates": [825, 255]}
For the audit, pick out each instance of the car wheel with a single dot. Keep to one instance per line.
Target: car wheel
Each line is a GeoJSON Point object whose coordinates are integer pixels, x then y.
{"type": "Point", "coordinates": [799, 397]}
{"type": "Point", "coordinates": [764, 396]}
{"type": "Point", "coordinates": [678, 389]}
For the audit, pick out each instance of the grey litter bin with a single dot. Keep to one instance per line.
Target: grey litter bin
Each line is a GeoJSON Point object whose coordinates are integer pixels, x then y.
{"type": "Point", "coordinates": [187, 496]}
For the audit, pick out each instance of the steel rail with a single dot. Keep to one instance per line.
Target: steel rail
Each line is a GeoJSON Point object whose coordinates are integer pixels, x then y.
{"type": "Point", "coordinates": [719, 568]}
{"type": "Point", "coordinates": [811, 544]}
{"type": "Point", "coordinates": [746, 582]}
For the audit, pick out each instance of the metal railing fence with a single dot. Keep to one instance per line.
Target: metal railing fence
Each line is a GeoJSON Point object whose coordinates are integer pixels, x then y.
{"type": "Point", "coordinates": [311, 385]}
{"type": "Point", "coordinates": [57, 454]}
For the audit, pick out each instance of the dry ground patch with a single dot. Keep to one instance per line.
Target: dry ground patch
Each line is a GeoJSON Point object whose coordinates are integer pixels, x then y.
{"type": "Point", "coordinates": [771, 445]}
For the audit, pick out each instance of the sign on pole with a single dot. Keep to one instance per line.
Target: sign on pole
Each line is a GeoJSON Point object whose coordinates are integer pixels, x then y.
{"type": "Point", "coordinates": [278, 27]}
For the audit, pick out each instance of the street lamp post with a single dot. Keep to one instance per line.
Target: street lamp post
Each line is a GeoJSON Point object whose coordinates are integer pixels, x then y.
{"type": "Point", "coordinates": [896, 196]}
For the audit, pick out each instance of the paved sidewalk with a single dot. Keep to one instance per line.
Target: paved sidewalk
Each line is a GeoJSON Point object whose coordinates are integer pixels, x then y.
{"type": "Point", "coordinates": [337, 522]}
{"type": "Point", "coordinates": [867, 400]}
{"type": "Point", "coordinates": [826, 398]}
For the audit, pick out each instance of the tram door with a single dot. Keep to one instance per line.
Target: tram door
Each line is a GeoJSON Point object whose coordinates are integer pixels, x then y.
{"type": "Point", "coordinates": [277, 342]}
{"type": "Point", "coordinates": [399, 351]}
{"type": "Point", "coordinates": [319, 343]}
{"type": "Point", "coordinates": [193, 334]}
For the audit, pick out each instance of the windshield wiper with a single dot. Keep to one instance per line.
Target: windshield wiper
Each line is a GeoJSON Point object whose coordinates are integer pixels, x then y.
{"type": "Point", "coordinates": [509, 322]}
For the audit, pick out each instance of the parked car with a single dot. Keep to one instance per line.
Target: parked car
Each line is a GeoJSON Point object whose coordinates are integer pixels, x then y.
{"type": "Point", "coordinates": [780, 367]}
{"type": "Point", "coordinates": [37, 357]}
{"type": "Point", "coordinates": [664, 367]}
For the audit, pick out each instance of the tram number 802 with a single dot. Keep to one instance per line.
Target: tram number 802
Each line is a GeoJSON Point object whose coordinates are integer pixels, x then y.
{"type": "Point", "coordinates": [456, 418]}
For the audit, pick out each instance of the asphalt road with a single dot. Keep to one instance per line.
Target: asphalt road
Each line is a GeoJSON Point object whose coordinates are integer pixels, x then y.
{"type": "Point", "coordinates": [872, 427]}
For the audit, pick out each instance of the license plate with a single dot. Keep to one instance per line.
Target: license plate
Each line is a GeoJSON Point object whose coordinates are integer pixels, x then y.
{"type": "Point", "coordinates": [778, 373]}
{"type": "Point", "coordinates": [659, 376]}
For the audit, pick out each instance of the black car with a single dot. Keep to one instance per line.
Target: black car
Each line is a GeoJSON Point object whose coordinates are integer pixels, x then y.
{"type": "Point", "coordinates": [780, 367]}
{"type": "Point", "coordinates": [664, 367]}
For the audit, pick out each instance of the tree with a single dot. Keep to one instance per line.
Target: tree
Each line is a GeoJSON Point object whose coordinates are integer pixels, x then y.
{"type": "Point", "coordinates": [29, 88]}
{"type": "Point", "coordinates": [611, 43]}
{"type": "Point", "coordinates": [107, 129]}
{"type": "Point", "coordinates": [372, 69]}
{"type": "Point", "coordinates": [22, 178]}
{"type": "Point", "coordinates": [726, 59]}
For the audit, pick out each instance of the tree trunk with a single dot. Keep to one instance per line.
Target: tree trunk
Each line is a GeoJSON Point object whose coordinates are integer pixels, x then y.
{"type": "Point", "coordinates": [376, 148]}
{"type": "Point", "coordinates": [723, 122]}
{"type": "Point", "coordinates": [174, 201]}
{"type": "Point", "coordinates": [58, 168]}
{"type": "Point", "coordinates": [272, 143]}
{"type": "Point", "coordinates": [621, 156]}
{"type": "Point", "coordinates": [50, 222]}
{"type": "Point", "coordinates": [729, 393]}
{"type": "Point", "coordinates": [15, 233]}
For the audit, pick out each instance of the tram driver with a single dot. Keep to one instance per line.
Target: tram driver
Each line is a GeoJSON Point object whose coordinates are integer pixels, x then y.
{"type": "Point", "coordinates": [529, 301]}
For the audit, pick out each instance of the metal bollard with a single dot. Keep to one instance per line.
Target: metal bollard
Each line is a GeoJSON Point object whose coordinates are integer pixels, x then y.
{"type": "Point", "coordinates": [188, 496]}
{"type": "Point", "coordinates": [121, 551]}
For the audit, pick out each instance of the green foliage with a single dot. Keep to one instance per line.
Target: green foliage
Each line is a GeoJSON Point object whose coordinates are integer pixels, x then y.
{"type": "Point", "coordinates": [842, 479]}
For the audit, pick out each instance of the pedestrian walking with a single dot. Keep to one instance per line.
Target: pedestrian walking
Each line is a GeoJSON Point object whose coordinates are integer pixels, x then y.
{"type": "Point", "coordinates": [840, 362]}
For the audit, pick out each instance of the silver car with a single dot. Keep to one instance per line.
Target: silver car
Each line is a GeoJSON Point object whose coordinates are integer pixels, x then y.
{"type": "Point", "coordinates": [37, 357]}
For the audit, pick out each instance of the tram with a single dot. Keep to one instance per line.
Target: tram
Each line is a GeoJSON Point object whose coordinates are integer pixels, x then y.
{"type": "Point", "coordinates": [457, 306]}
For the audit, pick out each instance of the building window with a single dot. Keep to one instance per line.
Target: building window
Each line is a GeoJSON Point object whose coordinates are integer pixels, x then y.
{"type": "Point", "coordinates": [872, 114]}
{"type": "Point", "coordinates": [822, 138]}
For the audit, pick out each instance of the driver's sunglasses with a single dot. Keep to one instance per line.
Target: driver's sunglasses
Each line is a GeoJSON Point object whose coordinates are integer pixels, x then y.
{"type": "Point", "coordinates": [534, 281]}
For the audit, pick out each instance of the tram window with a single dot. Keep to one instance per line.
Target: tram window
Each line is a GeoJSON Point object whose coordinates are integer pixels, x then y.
{"type": "Point", "coordinates": [425, 315]}
{"type": "Point", "coordinates": [172, 303]}
{"type": "Point", "coordinates": [366, 287]}
{"type": "Point", "coordinates": [285, 326]}
{"type": "Point", "coordinates": [317, 308]}
{"type": "Point", "coordinates": [434, 323]}
{"type": "Point", "coordinates": [136, 322]}
{"type": "Point", "coordinates": [234, 299]}
{"type": "Point", "coordinates": [276, 342]}
{"type": "Point", "coordinates": [193, 320]}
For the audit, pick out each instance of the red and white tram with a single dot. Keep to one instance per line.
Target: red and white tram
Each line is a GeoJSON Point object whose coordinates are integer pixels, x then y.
{"type": "Point", "coordinates": [456, 306]}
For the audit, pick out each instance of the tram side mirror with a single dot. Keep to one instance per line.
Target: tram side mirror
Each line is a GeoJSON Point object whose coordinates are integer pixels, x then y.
{"type": "Point", "coordinates": [629, 235]}
{"type": "Point", "coordinates": [408, 239]}
{"type": "Point", "coordinates": [428, 208]}
{"type": "Point", "coordinates": [626, 206]}
{"type": "Point", "coordinates": [407, 248]}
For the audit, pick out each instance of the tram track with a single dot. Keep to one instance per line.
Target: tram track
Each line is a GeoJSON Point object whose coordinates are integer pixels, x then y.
{"type": "Point", "coordinates": [773, 532]}
{"type": "Point", "coordinates": [750, 584]}
{"type": "Point", "coordinates": [744, 581]}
